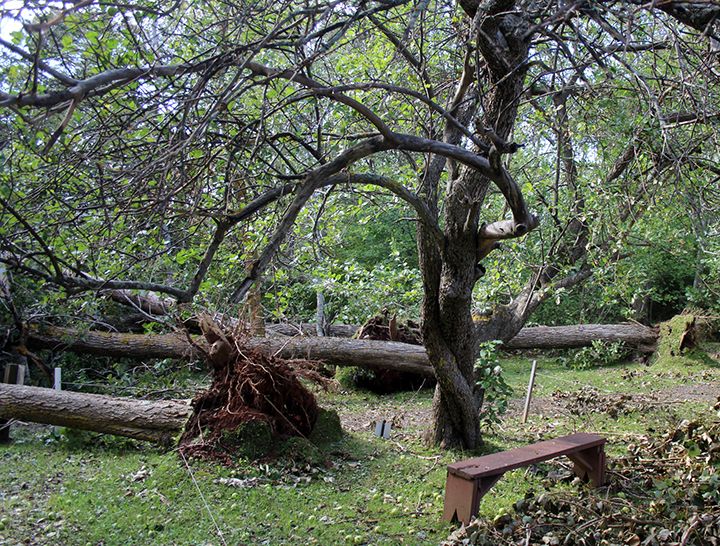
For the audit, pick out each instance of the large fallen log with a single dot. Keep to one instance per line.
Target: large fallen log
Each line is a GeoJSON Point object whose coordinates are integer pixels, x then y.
{"type": "Point", "coordinates": [157, 422]}
{"type": "Point", "coordinates": [308, 329]}
{"type": "Point", "coordinates": [582, 335]}
{"type": "Point", "coordinates": [332, 351]}
{"type": "Point", "coordinates": [139, 346]}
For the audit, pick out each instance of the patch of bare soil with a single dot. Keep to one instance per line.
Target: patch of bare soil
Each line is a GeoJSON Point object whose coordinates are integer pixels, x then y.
{"type": "Point", "coordinates": [399, 419]}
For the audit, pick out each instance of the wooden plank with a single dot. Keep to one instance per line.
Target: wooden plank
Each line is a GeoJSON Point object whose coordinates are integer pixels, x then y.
{"type": "Point", "coordinates": [499, 463]}
{"type": "Point", "coordinates": [594, 471]}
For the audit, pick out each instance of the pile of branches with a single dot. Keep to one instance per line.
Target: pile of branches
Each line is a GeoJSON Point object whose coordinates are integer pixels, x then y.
{"type": "Point", "coordinates": [589, 400]}
{"type": "Point", "coordinates": [664, 491]}
{"type": "Point", "coordinates": [247, 386]}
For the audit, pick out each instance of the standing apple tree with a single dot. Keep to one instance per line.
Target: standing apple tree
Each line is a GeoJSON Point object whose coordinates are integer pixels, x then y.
{"type": "Point", "coordinates": [171, 146]}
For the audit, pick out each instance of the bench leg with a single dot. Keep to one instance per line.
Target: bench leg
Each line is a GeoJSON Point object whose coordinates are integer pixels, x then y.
{"type": "Point", "coordinates": [459, 499]}
{"type": "Point", "coordinates": [589, 464]}
{"type": "Point", "coordinates": [462, 497]}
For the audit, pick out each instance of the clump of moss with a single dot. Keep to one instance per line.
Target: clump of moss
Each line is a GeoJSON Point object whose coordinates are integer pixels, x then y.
{"type": "Point", "coordinates": [677, 341]}
{"type": "Point", "coordinates": [677, 336]}
{"type": "Point", "coordinates": [327, 429]}
{"type": "Point", "coordinates": [252, 440]}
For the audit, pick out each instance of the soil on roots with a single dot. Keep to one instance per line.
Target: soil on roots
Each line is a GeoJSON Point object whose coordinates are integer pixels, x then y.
{"type": "Point", "coordinates": [247, 386]}
{"type": "Point", "coordinates": [383, 327]}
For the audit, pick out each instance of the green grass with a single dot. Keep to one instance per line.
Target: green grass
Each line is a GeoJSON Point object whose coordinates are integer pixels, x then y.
{"type": "Point", "coordinates": [360, 490]}
{"type": "Point", "coordinates": [367, 489]}
{"type": "Point", "coordinates": [622, 377]}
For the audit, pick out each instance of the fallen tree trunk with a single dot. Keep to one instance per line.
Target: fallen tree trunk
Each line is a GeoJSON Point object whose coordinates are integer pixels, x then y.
{"type": "Point", "coordinates": [581, 335]}
{"type": "Point", "coordinates": [157, 422]}
{"type": "Point", "coordinates": [332, 351]}
{"type": "Point", "coordinates": [137, 346]}
{"type": "Point", "coordinates": [149, 303]}
{"type": "Point", "coordinates": [307, 329]}
{"type": "Point", "coordinates": [383, 355]}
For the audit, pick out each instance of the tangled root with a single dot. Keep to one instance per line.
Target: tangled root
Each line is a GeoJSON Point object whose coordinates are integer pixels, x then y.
{"type": "Point", "coordinates": [248, 385]}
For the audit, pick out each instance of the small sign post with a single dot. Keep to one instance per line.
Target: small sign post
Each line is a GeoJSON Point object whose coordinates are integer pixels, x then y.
{"type": "Point", "coordinates": [382, 429]}
{"type": "Point", "coordinates": [14, 375]}
{"type": "Point", "coordinates": [57, 385]}
{"type": "Point", "coordinates": [529, 392]}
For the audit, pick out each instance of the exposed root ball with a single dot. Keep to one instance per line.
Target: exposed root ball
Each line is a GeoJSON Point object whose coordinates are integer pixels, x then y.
{"type": "Point", "coordinates": [384, 327]}
{"type": "Point", "coordinates": [247, 386]}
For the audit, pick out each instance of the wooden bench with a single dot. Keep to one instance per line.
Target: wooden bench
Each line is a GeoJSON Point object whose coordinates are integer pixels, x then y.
{"type": "Point", "coordinates": [468, 481]}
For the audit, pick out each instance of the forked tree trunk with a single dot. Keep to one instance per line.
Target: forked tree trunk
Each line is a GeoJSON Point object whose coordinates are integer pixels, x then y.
{"type": "Point", "coordinates": [449, 332]}
{"type": "Point", "coordinates": [157, 422]}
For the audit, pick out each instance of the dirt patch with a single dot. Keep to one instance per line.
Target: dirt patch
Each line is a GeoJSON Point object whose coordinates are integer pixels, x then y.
{"type": "Point", "coordinates": [403, 419]}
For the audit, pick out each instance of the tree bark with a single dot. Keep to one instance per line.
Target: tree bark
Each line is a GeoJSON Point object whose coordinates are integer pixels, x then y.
{"type": "Point", "coordinates": [149, 303]}
{"type": "Point", "coordinates": [333, 351]}
{"type": "Point", "coordinates": [156, 422]}
{"type": "Point", "coordinates": [138, 346]}
{"type": "Point", "coordinates": [449, 331]}
{"type": "Point", "coordinates": [581, 335]}
{"type": "Point", "coordinates": [159, 422]}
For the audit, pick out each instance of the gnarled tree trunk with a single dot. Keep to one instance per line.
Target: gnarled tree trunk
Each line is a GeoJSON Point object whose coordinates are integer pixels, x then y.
{"type": "Point", "coordinates": [450, 334]}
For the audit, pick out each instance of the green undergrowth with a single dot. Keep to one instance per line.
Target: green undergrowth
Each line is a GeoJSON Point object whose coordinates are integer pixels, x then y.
{"type": "Point", "coordinates": [622, 377]}
{"type": "Point", "coordinates": [84, 489]}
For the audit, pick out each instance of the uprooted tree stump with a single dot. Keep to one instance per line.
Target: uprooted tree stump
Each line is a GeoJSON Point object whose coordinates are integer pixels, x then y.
{"type": "Point", "coordinates": [384, 327]}
{"type": "Point", "coordinates": [254, 397]}
{"type": "Point", "coordinates": [676, 336]}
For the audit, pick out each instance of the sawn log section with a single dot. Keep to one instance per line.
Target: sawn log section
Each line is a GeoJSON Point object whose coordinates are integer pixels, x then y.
{"type": "Point", "coordinates": [468, 481]}
{"type": "Point", "coordinates": [156, 422]}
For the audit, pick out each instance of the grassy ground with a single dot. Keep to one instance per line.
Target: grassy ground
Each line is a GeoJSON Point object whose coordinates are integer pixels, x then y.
{"type": "Point", "coordinates": [86, 489]}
